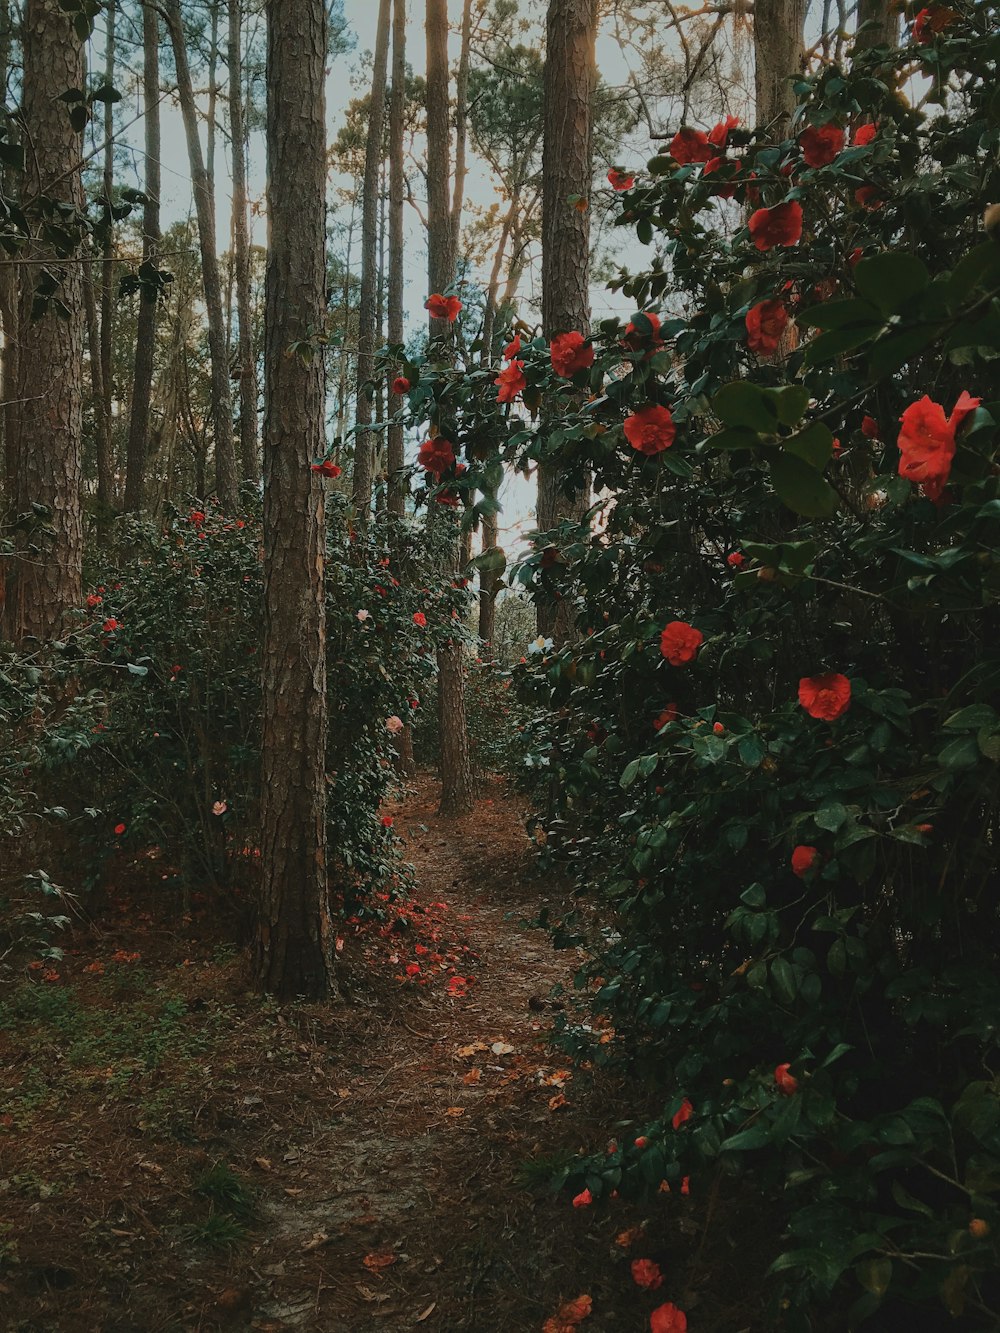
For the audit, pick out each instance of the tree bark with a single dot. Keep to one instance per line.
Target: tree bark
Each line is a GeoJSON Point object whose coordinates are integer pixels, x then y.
{"type": "Point", "coordinates": [137, 450]}
{"type": "Point", "coordinates": [779, 55]}
{"type": "Point", "coordinates": [222, 408]}
{"type": "Point", "coordinates": [877, 24]}
{"type": "Point", "coordinates": [246, 361]}
{"type": "Point", "coordinates": [570, 79]}
{"type": "Point", "coordinates": [461, 127]}
{"type": "Point", "coordinates": [368, 312]}
{"type": "Point", "coordinates": [41, 586]}
{"type": "Point", "coordinates": [105, 478]}
{"type": "Point", "coordinates": [397, 106]}
{"type": "Point", "coordinates": [102, 417]}
{"type": "Point", "coordinates": [294, 936]}
{"type": "Point", "coordinates": [489, 586]}
{"type": "Point", "coordinates": [8, 299]}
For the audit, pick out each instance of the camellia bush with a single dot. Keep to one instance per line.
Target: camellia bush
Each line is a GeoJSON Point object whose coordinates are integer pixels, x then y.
{"type": "Point", "coordinates": [774, 740]}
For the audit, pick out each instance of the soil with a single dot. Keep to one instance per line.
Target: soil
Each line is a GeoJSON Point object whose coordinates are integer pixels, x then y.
{"type": "Point", "coordinates": [177, 1154]}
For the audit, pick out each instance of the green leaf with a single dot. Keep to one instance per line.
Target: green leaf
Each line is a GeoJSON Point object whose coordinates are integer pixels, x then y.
{"type": "Point", "coordinates": [891, 280]}
{"type": "Point", "coordinates": [891, 353]}
{"type": "Point", "coordinates": [736, 437]}
{"type": "Point", "coordinates": [841, 315]}
{"type": "Point", "coordinates": [747, 405]}
{"type": "Point", "coordinates": [972, 718]}
{"type": "Point", "coordinates": [784, 981]}
{"type": "Point", "coordinates": [963, 752]}
{"type": "Point", "coordinates": [832, 344]}
{"type": "Point", "coordinates": [630, 774]}
{"type": "Point", "coordinates": [791, 402]}
{"type": "Point", "coordinates": [830, 816]}
{"type": "Point", "coordinates": [875, 1275]}
{"type": "Point", "coordinates": [758, 1136]}
{"type": "Point", "coordinates": [801, 487]}
{"type": "Point", "coordinates": [814, 445]}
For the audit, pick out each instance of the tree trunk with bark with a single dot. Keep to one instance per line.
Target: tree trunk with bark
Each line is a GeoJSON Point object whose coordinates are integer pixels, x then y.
{"type": "Point", "coordinates": [102, 417]}
{"type": "Point", "coordinates": [41, 585]}
{"type": "Point", "coordinates": [779, 56]}
{"type": "Point", "coordinates": [570, 78]}
{"type": "Point", "coordinates": [294, 952]}
{"type": "Point", "coordinates": [364, 449]}
{"type": "Point", "coordinates": [877, 24]}
{"type": "Point", "coordinates": [245, 359]}
{"type": "Point", "coordinates": [137, 449]}
{"type": "Point", "coordinates": [397, 107]}
{"type": "Point", "coordinates": [461, 127]}
{"type": "Point", "coordinates": [222, 407]}
{"type": "Point", "coordinates": [105, 478]}
{"type": "Point", "coordinates": [489, 586]}
{"type": "Point", "coordinates": [8, 298]}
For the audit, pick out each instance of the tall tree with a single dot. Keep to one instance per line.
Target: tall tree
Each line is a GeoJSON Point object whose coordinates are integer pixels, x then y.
{"type": "Point", "coordinates": [8, 290]}
{"type": "Point", "coordinates": [105, 481]}
{"type": "Point", "coordinates": [461, 125]}
{"type": "Point", "coordinates": [99, 398]}
{"type": "Point", "coordinates": [368, 316]}
{"type": "Point", "coordinates": [570, 78]}
{"type": "Point", "coordinates": [779, 55]}
{"type": "Point", "coordinates": [397, 194]}
{"type": "Point", "coordinates": [294, 935]}
{"type": "Point", "coordinates": [456, 769]}
{"type": "Point", "coordinates": [204, 199]}
{"type": "Point", "coordinates": [145, 336]}
{"type": "Point", "coordinates": [245, 359]}
{"type": "Point", "coordinates": [41, 585]}
{"type": "Point", "coordinates": [877, 24]}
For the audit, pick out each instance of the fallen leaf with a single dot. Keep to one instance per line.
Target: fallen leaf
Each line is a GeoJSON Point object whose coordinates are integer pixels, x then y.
{"type": "Point", "coordinates": [502, 1048]}
{"type": "Point", "coordinates": [628, 1238]}
{"type": "Point", "coordinates": [426, 1314]}
{"type": "Point", "coordinates": [263, 1163]}
{"type": "Point", "coordinates": [455, 1110]}
{"type": "Point", "coordinates": [290, 1190]}
{"type": "Point", "coordinates": [315, 1241]}
{"type": "Point", "coordinates": [376, 1262]}
{"type": "Point", "coordinates": [557, 1101]}
{"type": "Point", "coordinates": [473, 1076]}
{"type": "Point", "coordinates": [367, 1294]}
{"type": "Point", "coordinates": [473, 1049]}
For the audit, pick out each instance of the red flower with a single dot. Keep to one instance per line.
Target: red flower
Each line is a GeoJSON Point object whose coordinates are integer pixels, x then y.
{"type": "Point", "coordinates": [646, 1274]}
{"type": "Point", "coordinates": [781, 225]}
{"type": "Point", "coordinates": [690, 146]}
{"type": "Point", "coordinates": [634, 338]}
{"type": "Point", "coordinates": [111, 625]}
{"type": "Point", "coordinates": [387, 821]}
{"type": "Point", "coordinates": [683, 1114]}
{"type": "Point", "coordinates": [820, 144]}
{"type": "Point", "coordinates": [620, 180]}
{"type": "Point", "coordinates": [865, 134]}
{"type": "Point", "coordinates": [419, 619]}
{"type": "Point", "coordinates": [196, 517]}
{"type": "Point", "coordinates": [650, 430]}
{"type": "Point", "coordinates": [668, 1319]}
{"type": "Point", "coordinates": [869, 428]}
{"type": "Point", "coordinates": [119, 829]}
{"type": "Point", "coordinates": [511, 382]}
{"type": "Point", "coordinates": [736, 559]}
{"type": "Point", "coordinates": [436, 456]}
{"type": "Point", "coordinates": [826, 697]}
{"type": "Point", "coordinates": [679, 642]}
{"type": "Point", "coordinates": [725, 189]}
{"type": "Point", "coordinates": [93, 600]}
{"type": "Point", "coordinates": [583, 1200]}
{"type": "Point", "coordinates": [571, 352]}
{"type": "Point", "coordinates": [718, 135]}
{"type": "Point", "coordinates": [458, 985]}
{"type": "Point", "coordinates": [856, 254]}
{"type": "Point", "coordinates": [803, 860]}
{"type": "Point", "coordinates": [443, 307]}
{"type": "Point", "coordinates": [400, 385]}
{"type": "Point", "coordinates": [929, 22]}
{"type": "Point", "coordinates": [641, 1141]}
{"type": "Point", "coordinates": [326, 469]}
{"type": "Point", "coordinates": [787, 1083]}
{"type": "Point", "coordinates": [766, 322]}
{"type": "Point", "coordinates": [867, 196]}
{"type": "Point", "coordinates": [668, 715]}
{"type": "Point", "coordinates": [718, 728]}
{"type": "Point", "coordinates": [513, 348]}
{"type": "Point", "coordinates": [927, 441]}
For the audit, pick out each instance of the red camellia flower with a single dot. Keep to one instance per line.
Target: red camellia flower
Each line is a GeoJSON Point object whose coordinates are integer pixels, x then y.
{"type": "Point", "coordinates": [736, 559]}
{"type": "Point", "coordinates": [867, 196]}
{"type": "Point", "coordinates": [650, 430]}
{"type": "Point", "coordinates": [196, 517]}
{"type": "Point", "coordinates": [641, 1141]}
{"type": "Point", "coordinates": [690, 146]}
{"type": "Point", "coordinates": [718, 135]}
{"type": "Point", "coordinates": [820, 144]}
{"type": "Point", "coordinates": [803, 860]}
{"type": "Point", "coordinates": [443, 307]}
{"type": "Point", "coordinates": [111, 625]}
{"type": "Point", "coordinates": [400, 385]}
{"type": "Point", "coordinates": [927, 441]}
{"type": "Point", "coordinates": [787, 1083]}
{"type": "Point", "coordinates": [635, 339]}
{"type": "Point", "coordinates": [668, 1319]}
{"type": "Point", "coordinates": [679, 642]}
{"type": "Point", "coordinates": [620, 180]}
{"type": "Point", "coordinates": [856, 254]}
{"type": "Point", "coordinates": [684, 1113]}
{"type": "Point", "coordinates": [646, 1274]}
{"type": "Point", "coordinates": [93, 600]}
{"type": "Point", "coordinates": [929, 22]}
{"type": "Point", "coordinates": [326, 469]}
{"type": "Point", "coordinates": [387, 821]}
{"type": "Point", "coordinates": [869, 428]}
{"type": "Point", "coordinates": [583, 1200]}
{"type": "Point", "coordinates": [865, 134]}
{"type": "Point", "coordinates": [718, 728]}
{"type": "Point", "coordinates": [766, 322]}
{"type": "Point", "coordinates": [436, 456]}
{"type": "Point", "coordinates": [669, 714]}
{"type": "Point", "coordinates": [513, 348]}
{"type": "Point", "coordinates": [781, 225]}
{"type": "Point", "coordinates": [725, 189]}
{"type": "Point", "coordinates": [510, 382]}
{"type": "Point", "coordinates": [119, 829]}
{"type": "Point", "coordinates": [826, 697]}
{"type": "Point", "coordinates": [419, 619]}
{"type": "Point", "coordinates": [570, 352]}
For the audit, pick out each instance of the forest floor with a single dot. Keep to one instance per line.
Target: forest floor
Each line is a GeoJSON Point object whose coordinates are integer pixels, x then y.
{"type": "Point", "coordinates": [177, 1154]}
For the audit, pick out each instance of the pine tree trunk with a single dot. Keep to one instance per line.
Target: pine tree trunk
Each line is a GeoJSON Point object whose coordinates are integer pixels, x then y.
{"type": "Point", "coordinates": [397, 104]}
{"type": "Point", "coordinates": [222, 408]}
{"type": "Point", "coordinates": [102, 418]}
{"type": "Point", "coordinates": [877, 24]}
{"type": "Point", "coordinates": [461, 127]}
{"type": "Point", "coordinates": [489, 586]}
{"type": "Point", "coordinates": [137, 450]}
{"type": "Point", "coordinates": [779, 54]}
{"type": "Point", "coordinates": [105, 479]}
{"type": "Point", "coordinates": [367, 314]}
{"type": "Point", "coordinates": [42, 586]}
{"type": "Point", "coordinates": [570, 78]}
{"type": "Point", "coordinates": [8, 299]}
{"type": "Point", "coordinates": [247, 362]}
{"type": "Point", "coordinates": [294, 937]}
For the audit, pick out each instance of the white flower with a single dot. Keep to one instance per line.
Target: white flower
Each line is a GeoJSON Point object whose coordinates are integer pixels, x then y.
{"type": "Point", "coordinates": [219, 808]}
{"type": "Point", "coordinates": [364, 615]}
{"type": "Point", "coordinates": [394, 725]}
{"type": "Point", "coordinates": [540, 645]}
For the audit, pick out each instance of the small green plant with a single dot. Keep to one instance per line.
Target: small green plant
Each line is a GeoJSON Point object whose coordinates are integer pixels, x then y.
{"type": "Point", "coordinates": [227, 1192]}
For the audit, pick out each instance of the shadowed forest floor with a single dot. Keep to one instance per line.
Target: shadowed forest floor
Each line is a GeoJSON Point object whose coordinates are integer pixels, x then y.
{"type": "Point", "coordinates": [178, 1155]}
